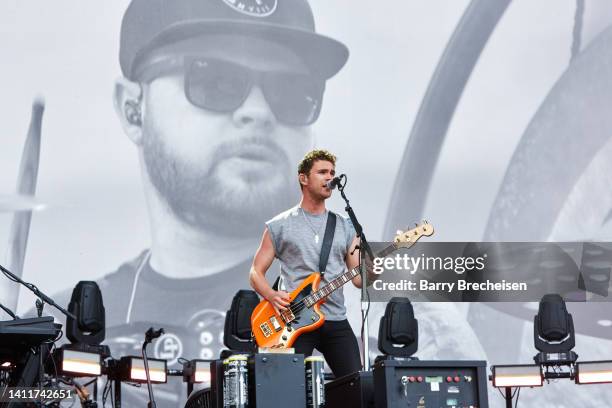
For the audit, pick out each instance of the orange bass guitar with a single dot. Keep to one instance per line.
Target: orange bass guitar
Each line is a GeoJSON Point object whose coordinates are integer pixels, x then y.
{"type": "Point", "coordinates": [273, 330]}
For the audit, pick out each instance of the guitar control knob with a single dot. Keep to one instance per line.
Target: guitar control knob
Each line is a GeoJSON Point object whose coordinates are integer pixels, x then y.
{"type": "Point", "coordinates": [289, 328]}
{"type": "Point", "coordinates": [284, 337]}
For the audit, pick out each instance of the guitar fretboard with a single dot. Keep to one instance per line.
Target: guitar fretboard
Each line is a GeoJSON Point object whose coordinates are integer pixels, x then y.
{"type": "Point", "coordinates": [328, 289]}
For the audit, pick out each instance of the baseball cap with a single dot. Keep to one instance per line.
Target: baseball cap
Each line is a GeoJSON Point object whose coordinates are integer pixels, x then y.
{"type": "Point", "coordinates": [150, 24]}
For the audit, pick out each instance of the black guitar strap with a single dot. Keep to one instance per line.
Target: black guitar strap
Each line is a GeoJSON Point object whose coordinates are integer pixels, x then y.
{"type": "Point", "coordinates": [328, 238]}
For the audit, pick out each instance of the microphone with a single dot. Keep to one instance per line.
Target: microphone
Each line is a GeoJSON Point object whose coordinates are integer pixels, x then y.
{"type": "Point", "coordinates": [335, 182]}
{"type": "Point", "coordinates": [153, 334]}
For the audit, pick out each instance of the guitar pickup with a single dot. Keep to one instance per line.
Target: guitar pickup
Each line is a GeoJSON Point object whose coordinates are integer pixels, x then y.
{"type": "Point", "coordinates": [287, 315]}
{"type": "Point", "coordinates": [275, 324]}
{"type": "Point", "coordinates": [265, 329]}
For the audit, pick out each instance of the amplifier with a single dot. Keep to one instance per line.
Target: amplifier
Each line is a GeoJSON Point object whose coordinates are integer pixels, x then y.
{"type": "Point", "coordinates": [277, 380]}
{"type": "Point", "coordinates": [353, 390]}
{"type": "Point", "coordinates": [424, 384]}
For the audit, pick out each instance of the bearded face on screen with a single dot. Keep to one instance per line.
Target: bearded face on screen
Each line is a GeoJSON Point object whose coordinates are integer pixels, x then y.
{"type": "Point", "coordinates": [223, 170]}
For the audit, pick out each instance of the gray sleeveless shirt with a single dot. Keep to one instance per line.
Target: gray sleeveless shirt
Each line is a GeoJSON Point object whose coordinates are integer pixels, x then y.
{"type": "Point", "coordinates": [293, 236]}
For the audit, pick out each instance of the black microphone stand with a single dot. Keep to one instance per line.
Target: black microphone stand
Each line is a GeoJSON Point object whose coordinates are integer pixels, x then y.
{"type": "Point", "coordinates": [149, 336]}
{"type": "Point", "coordinates": [9, 312]}
{"type": "Point", "coordinates": [42, 298]}
{"type": "Point", "coordinates": [364, 248]}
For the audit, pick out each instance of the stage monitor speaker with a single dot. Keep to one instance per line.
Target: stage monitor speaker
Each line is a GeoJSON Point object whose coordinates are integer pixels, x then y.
{"type": "Point", "coordinates": [277, 380]}
{"type": "Point", "coordinates": [424, 384]}
{"type": "Point", "coordinates": [353, 390]}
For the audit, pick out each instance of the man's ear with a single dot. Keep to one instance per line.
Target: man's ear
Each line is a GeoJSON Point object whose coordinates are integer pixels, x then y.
{"type": "Point", "coordinates": [127, 98]}
{"type": "Point", "coordinates": [303, 179]}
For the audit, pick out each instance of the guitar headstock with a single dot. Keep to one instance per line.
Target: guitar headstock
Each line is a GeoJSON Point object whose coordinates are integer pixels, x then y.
{"type": "Point", "coordinates": [409, 237]}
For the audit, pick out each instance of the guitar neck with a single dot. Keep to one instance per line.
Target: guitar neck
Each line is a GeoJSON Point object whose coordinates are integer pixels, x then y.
{"type": "Point", "coordinates": [341, 280]}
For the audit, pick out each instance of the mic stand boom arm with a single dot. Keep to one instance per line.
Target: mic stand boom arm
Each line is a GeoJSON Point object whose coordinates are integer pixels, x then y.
{"type": "Point", "coordinates": [9, 312]}
{"type": "Point", "coordinates": [41, 296]}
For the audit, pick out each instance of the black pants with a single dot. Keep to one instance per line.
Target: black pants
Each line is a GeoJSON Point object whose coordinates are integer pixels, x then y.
{"type": "Point", "coordinates": [337, 342]}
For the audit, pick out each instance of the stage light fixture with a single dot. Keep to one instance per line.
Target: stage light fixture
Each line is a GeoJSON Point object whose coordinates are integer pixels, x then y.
{"type": "Point", "coordinates": [132, 368]}
{"type": "Point", "coordinates": [398, 333]}
{"type": "Point", "coordinates": [84, 355]}
{"type": "Point", "coordinates": [553, 332]}
{"type": "Point", "coordinates": [78, 363]}
{"type": "Point", "coordinates": [237, 335]}
{"type": "Point", "coordinates": [87, 305]}
{"type": "Point", "coordinates": [517, 376]}
{"type": "Point", "coordinates": [594, 372]}
{"type": "Point", "coordinates": [196, 371]}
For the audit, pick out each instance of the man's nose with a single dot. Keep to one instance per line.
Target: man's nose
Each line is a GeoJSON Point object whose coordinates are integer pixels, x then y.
{"type": "Point", "coordinates": [255, 111]}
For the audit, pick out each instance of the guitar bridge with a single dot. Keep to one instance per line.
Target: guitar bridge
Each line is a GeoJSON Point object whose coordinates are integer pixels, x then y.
{"type": "Point", "coordinates": [265, 329]}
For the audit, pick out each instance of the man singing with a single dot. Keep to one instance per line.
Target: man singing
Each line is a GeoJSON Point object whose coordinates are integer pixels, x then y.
{"type": "Point", "coordinates": [295, 237]}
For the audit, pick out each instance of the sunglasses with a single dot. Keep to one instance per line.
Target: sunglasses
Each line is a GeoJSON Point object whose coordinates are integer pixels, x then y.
{"type": "Point", "coordinates": [223, 86]}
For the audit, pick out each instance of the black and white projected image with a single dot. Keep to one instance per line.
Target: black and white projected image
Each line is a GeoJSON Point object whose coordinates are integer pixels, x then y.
{"type": "Point", "coordinates": [158, 189]}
